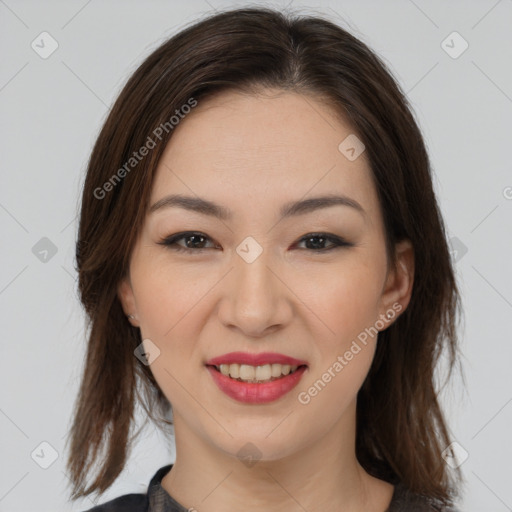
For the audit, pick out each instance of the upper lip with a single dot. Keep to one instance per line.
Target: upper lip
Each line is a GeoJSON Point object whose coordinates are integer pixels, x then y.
{"type": "Point", "coordinates": [255, 359]}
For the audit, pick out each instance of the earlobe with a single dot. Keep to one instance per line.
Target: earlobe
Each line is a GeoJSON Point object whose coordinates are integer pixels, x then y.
{"type": "Point", "coordinates": [127, 299]}
{"type": "Point", "coordinates": [398, 291]}
{"type": "Point", "coordinates": [405, 255]}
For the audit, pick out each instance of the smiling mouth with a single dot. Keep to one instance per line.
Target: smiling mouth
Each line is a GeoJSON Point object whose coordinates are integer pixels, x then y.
{"type": "Point", "coordinates": [256, 374]}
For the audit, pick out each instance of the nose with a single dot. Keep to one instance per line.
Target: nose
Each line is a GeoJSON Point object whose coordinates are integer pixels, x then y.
{"type": "Point", "coordinates": [255, 299]}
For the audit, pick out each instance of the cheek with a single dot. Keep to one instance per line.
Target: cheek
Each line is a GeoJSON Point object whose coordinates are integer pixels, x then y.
{"type": "Point", "coordinates": [165, 298]}
{"type": "Point", "coordinates": [346, 301]}
{"type": "Point", "coordinates": [173, 305]}
{"type": "Point", "coordinates": [348, 306]}
{"type": "Point", "coordinates": [345, 298]}
{"type": "Point", "coordinates": [168, 304]}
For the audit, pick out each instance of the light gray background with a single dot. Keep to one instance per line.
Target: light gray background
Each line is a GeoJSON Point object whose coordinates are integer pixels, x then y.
{"type": "Point", "coordinates": [51, 112]}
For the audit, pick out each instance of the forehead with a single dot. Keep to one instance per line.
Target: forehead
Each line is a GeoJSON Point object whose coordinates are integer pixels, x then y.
{"type": "Point", "coordinates": [275, 145]}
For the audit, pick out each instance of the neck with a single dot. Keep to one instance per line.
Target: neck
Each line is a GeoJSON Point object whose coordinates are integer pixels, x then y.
{"type": "Point", "coordinates": [322, 476]}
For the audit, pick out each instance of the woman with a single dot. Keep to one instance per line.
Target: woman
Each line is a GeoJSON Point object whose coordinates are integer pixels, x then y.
{"type": "Point", "coordinates": [261, 247]}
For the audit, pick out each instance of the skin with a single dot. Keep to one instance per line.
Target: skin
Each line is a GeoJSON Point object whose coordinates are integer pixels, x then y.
{"type": "Point", "coordinates": [251, 154]}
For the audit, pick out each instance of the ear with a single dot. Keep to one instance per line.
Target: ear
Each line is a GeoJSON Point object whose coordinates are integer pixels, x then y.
{"type": "Point", "coordinates": [399, 282]}
{"type": "Point", "coordinates": [127, 299]}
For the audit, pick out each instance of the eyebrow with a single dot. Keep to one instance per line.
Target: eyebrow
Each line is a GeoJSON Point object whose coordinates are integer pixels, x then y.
{"type": "Point", "coordinates": [290, 209]}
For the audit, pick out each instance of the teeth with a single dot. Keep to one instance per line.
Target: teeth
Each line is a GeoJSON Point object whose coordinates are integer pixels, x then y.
{"type": "Point", "coordinates": [248, 373]}
{"type": "Point", "coordinates": [233, 370]}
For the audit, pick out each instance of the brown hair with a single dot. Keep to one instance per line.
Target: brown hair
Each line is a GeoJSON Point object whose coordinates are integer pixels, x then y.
{"type": "Point", "coordinates": [401, 430]}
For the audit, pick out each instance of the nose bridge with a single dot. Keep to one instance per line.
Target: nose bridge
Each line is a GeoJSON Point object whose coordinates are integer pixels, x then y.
{"type": "Point", "coordinates": [253, 278]}
{"type": "Point", "coordinates": [256, 299]}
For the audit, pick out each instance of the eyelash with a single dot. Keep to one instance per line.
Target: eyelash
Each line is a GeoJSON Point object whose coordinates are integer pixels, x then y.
{"type": "Point", "coordinates": [170, 242]}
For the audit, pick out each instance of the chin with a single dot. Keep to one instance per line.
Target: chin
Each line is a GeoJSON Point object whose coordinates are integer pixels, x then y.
{"type": "Point", "coordinates": [259, 447]}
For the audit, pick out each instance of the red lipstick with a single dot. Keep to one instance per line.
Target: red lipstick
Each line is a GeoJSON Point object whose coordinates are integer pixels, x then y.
{"type": "Point", "coordinates": [253, 392]}
{"type": "Point", "coordinates": [255, 359]}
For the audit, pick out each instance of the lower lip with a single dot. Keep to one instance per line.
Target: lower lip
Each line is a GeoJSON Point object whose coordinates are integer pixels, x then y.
{"type": "Point", "coordinates": [254, 393]}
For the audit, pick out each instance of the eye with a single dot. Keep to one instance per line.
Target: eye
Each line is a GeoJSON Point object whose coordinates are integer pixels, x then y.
{"type": "Point", "coordinates": [316, 242]}
{"type": "Point", "coordinates": [195, 242]}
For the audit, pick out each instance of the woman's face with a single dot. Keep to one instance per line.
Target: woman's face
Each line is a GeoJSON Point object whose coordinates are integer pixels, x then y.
{"type": "Point", "coordinates": [252, 282]}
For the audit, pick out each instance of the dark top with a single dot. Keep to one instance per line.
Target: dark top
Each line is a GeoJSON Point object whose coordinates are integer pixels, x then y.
{"type": "Point", "coordinates": [157, 499]}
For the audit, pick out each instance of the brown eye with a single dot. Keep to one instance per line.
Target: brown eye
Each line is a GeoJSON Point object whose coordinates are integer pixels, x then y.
{"type": "Point", "coordinates": [316, 242]}
{"type": "Point", "coordinates": [194, 241]}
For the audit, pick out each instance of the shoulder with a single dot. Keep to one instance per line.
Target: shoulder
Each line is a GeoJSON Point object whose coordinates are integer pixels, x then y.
{"type": "Point", "coordinates": [125, 503]}
{"type": "Point", "coordinates": [405, 501]}
{"type": "Point", "coordinates": [136, 502]}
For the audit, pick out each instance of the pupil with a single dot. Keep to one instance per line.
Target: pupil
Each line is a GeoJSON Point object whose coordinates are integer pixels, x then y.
{"type": "Point", "coordinates": [319, 244]}
{"type": "Point", "coordinates": [193, 244]}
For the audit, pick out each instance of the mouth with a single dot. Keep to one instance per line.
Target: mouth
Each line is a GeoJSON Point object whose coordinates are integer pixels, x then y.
{"type": "Point", "coordinates": [256, 385]}
{"type": "Point", "coordinates": [256, 378]}
{"type": "Point", "coordinates": [256, 374]}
